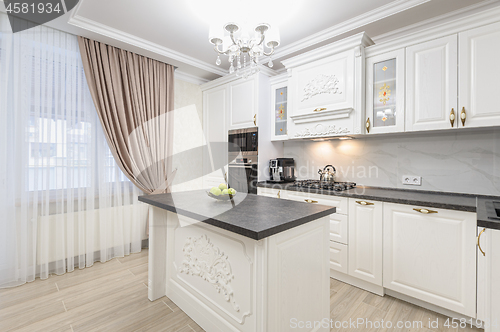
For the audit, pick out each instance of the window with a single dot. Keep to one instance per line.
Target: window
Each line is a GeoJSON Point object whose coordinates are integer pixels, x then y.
{"type": "Point", "coordinates": [64, 146]}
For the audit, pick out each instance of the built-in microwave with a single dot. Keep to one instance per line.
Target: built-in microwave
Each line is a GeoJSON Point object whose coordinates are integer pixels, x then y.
{"type": "Point", "coordinates": [244, 140]}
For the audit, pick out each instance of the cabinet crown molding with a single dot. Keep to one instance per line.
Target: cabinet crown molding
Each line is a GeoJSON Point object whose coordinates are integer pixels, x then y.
{"type": "Point", "coordinates": [462, 20]}
{"type": "Point", "coordinates": [263, 70]}
{"type": "Point", "coordinates": [350, 43]}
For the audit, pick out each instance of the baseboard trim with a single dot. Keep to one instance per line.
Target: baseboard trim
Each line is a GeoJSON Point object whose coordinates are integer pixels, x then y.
{"type": "Point", "coordinates": [203, 315]}
{"type": "Point", "coordinates": [381, 291]}
{"type": "Point", "coordinates": [375, 289]}
{"type": "Point", "coordinates": [430, 306]}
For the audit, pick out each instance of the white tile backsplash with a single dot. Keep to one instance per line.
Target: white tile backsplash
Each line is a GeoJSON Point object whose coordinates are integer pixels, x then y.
{"type": "Point", "coordinates": [459, 161]}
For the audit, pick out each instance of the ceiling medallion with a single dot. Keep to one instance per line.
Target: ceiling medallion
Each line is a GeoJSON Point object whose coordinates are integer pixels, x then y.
{"type": "Point", "coordinates": [242, 48]}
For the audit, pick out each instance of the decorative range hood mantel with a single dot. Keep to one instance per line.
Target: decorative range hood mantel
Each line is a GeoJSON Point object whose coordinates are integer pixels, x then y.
{"type": "Point", "coordinates": [326, 89]}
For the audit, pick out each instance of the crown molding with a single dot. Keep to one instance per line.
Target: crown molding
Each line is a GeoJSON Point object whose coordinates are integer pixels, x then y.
{"type": "Point", "coordinates": [349, 25]}
{"type": "Point", "coordinates": [457, 21]}
{"type": "Point", "coordinates": [283, 77]}
{"type": "Point", "coordinates": [438, 20]}
{"type": "Point", "coordinates": [360, 39]}
{"type": "Point", "coordinates": [263, 70]}
{"type": "Point", "coordinates": [116, 34]}
{"type": "Point", "coordinates": [180, 75]}
{"type": "Point", "coordinates": [267, 71]}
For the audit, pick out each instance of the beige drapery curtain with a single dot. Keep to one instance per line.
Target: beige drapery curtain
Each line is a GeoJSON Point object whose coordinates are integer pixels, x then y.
{"type": "Point", "coordinates": [134, 96]}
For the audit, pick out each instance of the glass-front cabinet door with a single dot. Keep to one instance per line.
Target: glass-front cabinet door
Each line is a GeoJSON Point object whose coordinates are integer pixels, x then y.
{"type": "Point", "coordinates": [279, 104]}
{"type": "Point", "coordinates": [385, 93]}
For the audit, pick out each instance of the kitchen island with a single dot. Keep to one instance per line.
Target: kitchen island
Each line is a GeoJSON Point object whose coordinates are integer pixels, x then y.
{"type": "Point", "coordinates": [251, 264]}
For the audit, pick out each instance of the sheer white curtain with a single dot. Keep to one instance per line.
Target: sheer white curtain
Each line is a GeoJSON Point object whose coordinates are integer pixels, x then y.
{"type": "Point", "coordinates": [64, 203]}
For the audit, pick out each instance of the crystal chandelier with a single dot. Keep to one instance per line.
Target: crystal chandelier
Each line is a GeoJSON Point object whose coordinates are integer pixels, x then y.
{"type": "Point", "coordinates": [244, 51]}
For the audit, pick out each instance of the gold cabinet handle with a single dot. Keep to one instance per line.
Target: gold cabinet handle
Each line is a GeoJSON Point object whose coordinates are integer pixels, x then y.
{"type": "Point", "coordinates": [310, 201]}
{"type": "Point", "coordinates": [452, 117]}
{"type": "Point", "coordinates": [479, 242]}
{"type": "Point", "coordinates": [424, 211]}
{"type": "Point", "coordinates": [463, 116]}
{"type": "Point", "coordinates": [364, 203]}
{"type": "Point", "coordinates": [255, 119]}
{"type": "Point", "coordinates": [279, 194]}
{"type": "Point", "coordinates": [319, 109]}
{"type": "Point", "coordinates": [368, 125]}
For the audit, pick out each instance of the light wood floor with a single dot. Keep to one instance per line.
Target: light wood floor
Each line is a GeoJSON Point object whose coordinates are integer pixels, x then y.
{"type": "Point", "coordinates": [113, 297]}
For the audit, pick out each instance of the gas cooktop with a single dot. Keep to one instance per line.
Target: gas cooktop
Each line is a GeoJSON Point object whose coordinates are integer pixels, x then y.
{"type": "Point", "coordinates": [316, 184]}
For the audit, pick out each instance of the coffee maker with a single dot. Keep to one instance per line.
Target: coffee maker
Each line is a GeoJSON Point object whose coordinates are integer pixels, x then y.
{"type": "Point", "coordinates": [282, 170]}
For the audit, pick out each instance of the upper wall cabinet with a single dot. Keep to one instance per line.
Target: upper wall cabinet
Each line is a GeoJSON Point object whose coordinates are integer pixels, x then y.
{"type": "Point", "coordinates": [323, 86]}
{"type": "Point", "coordinates": [326, 90]}
{"type": "Point", "coordinates": [243, 103]}
{"type": "Point", "coordinates": [279, 109]}
{"type": "Point", "coordinates": [452, 82]}
{"type": "Point", "coordinates": [385, 93]}
{"type": "Point", "coordinates": [431, 84]}
{"type": "Point", "coordinates": [479, 77]}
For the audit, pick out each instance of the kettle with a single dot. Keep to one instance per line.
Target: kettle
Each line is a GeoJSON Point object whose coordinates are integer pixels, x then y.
{"type": "Point", "coordinates": [326, 175]}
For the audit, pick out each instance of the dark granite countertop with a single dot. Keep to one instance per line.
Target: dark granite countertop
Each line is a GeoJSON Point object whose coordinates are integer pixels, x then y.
{"type": "Point", "coordinates": [482, 213]}
{"type": "Point", "coordinates": [253, 216]}
{"type": "Point", "coordinates": [440, 200]}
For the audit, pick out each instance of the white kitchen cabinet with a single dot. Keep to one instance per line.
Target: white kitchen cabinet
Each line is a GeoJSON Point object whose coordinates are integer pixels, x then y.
{"type": "Point", "coordinates": [275, 193]}
{"type": "Point", "coordinates": [385, 93]}
{"type": "Point", "coordinates": [430, 255]}
{"type": "Point", "coordinates": [488, 275]}
{"type": "Point", "coordinates": [479, 80]}
{"type": "Point", "coordinates": [243, 100]}
{"type": "Point", "coordinates": [339, 224]}
{"type": "Point", "coordinates": [338, 257]}
{"type": "Point", "coordinates": [431, 85]}
{"type": "Point", "coordinates": [323, 86]}
{"type": "Point", "coordinates": [279, 110]}
{"type": "Point", "coordinates": [215, 128]}
{"type": "Point", "coordinates": [365, 240]}
{"type": "Point", "coordinates": [341, 203]}
{"type": "Point", "coordinates": [452, 82]}
{"type": "Point", "coordinates": [326, 89]}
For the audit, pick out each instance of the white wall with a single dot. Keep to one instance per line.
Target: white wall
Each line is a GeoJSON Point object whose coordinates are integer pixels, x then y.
{"type": "Point", "coordinates": [458, 161]}
{"type": "Point", "coordinates": [188, 135]}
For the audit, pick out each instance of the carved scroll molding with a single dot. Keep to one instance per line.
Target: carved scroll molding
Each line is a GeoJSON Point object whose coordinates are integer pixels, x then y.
{"type": "Point", "coordinates": [203, 259]}
{"type": "Point", "coordinates": [321, 84]}
{"type": "Point", "coordinates": [321, 130]}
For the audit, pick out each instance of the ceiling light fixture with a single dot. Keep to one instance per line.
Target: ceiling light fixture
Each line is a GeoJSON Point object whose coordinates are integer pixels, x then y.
{"type": "Point", "coordinates": [243, 50]}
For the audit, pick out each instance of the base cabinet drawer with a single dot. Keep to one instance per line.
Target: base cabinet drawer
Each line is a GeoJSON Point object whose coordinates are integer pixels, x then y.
{"type": "Point", "coordinates": [341, 203]}
{"type": "Point", "coordinates": [338, 228]}
{"type": "Point", "coordinates": [276, 193]}
{"type": "Point", "coordinates": [338, 257]}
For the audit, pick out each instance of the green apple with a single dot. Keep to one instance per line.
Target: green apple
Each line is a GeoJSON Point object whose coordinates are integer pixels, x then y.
{"type": "Point", "coordinates": [217, 192]}
{"type": "Point", "coordinates": [222, 186]}
{"type": "Point", "coordinates": [225, 192]}
{"type": "Point", "coordinates": [232, 191]}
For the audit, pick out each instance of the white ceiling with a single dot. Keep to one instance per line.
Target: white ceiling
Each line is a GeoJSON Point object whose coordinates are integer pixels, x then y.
{"type": "Point", "coordinates": [171, 32]}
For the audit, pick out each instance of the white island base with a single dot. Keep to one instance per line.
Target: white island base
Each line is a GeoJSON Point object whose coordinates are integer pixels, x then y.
{"type": "Point", "coordinates": [228, 282]}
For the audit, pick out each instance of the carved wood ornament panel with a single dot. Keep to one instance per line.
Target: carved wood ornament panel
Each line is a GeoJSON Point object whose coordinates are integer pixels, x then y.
{"type": "Point", "coordinates": [203, 259]}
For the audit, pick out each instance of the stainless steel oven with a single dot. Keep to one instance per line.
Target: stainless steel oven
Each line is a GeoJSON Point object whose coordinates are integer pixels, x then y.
{"type": "Point", "coordinates": [244, 140]}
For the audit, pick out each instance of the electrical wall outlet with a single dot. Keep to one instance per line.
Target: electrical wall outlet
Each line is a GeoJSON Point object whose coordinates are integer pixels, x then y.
{"type": "Point", "coordinates": [412, 180]}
